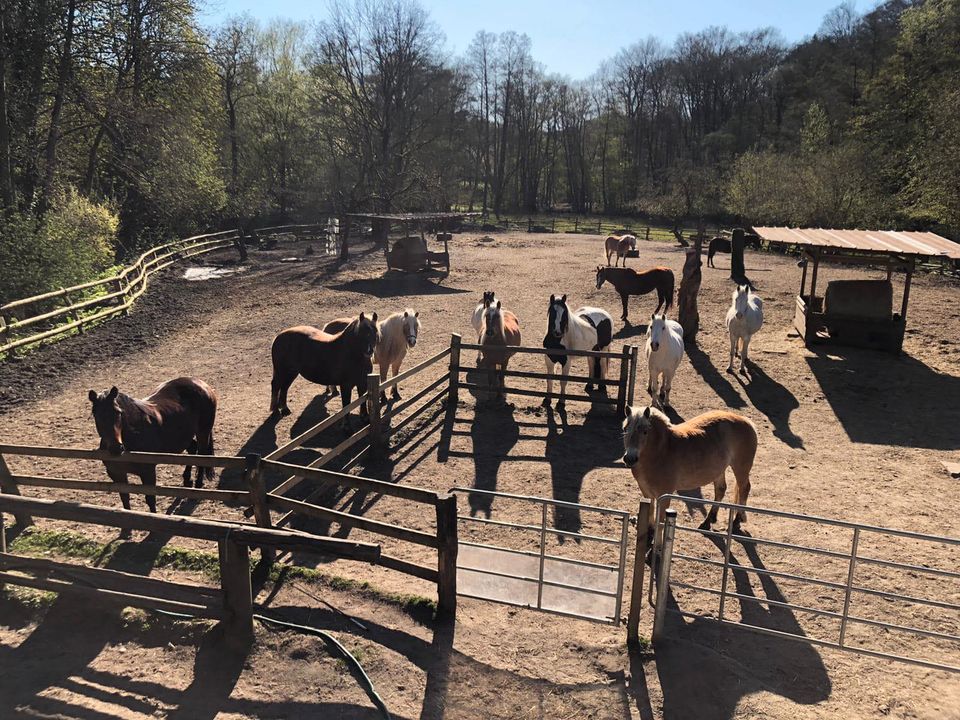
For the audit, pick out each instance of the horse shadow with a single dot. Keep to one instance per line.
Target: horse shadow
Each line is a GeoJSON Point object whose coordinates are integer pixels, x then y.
{"type": "Point", "coordinates": [494, 432]}
{"type": "Point", "coordinates": [749, 662]}
{"type": "Point", "coordinates": [773, 400]}
{"type": "Point", "coordinates": [629, 330]}
{"type": "Point", "coordinates": [573, 451]}
{"type": "Point", "coordinates": [714, 378]}
{"type": "Point", "coordinates": [884, 399]}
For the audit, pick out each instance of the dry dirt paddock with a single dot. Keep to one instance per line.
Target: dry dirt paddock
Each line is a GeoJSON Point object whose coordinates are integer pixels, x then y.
{"type": "Point", "coordinates": [847, 434]}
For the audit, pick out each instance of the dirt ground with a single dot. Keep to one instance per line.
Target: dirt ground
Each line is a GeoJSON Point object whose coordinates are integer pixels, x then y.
{"type": "Point", "coordinates": [846, 434]}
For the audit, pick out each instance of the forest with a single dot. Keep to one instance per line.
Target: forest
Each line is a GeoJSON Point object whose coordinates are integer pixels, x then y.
{"type": "Point", "coordinates": [126, 122]}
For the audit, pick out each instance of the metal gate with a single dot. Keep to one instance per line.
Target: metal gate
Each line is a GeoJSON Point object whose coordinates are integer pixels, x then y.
{"type": "Point", "coordinates": [540, 580]}
{"type": "Point", "coordinates": [852, 595]}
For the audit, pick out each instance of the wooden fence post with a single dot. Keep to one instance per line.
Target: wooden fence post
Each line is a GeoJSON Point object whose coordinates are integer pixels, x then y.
{"type": "Point", "coordinates": [648, 235]}
{"type": "Point", "coordinates": [632, 381]}
{"type": "Point", "coordinates": [447, 556]}
{"type": "Point", "coordinates": [258, 501]}
{"type": "Point", "coordinates": [8, 486]}
{"type": "Point", "coordinates": [454, 382]}
{"type": "Point", "coordinates": [237, 592]}
{"type": "Point", "coordinates": [624, 380]}
{"type": "Point", "coordinates": [373, 410]}
{"type": "Point", "coordinates": [639, 561]}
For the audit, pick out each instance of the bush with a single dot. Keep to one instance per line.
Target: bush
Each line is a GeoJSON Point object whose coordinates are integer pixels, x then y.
{"type": "Point", "coordinates": [74, 242]}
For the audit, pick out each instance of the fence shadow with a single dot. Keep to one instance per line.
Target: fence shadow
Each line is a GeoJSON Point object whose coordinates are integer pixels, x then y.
{"type": "Point", "coordinates": [884, 399]}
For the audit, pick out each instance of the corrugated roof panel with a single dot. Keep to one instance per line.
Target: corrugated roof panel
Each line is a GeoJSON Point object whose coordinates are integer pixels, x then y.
{"type": "Point", "coordinates": [901, 242]}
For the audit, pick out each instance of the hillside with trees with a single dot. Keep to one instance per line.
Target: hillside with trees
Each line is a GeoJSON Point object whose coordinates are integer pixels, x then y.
{"type": "Point", "coordinates": [126, 121]}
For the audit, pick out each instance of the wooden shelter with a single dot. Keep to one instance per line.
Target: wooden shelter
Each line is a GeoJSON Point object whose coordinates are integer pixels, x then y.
{"type": "Point", "coordinates": [859, 313]}
{"type": "Point", "coordinates": [410, 252]}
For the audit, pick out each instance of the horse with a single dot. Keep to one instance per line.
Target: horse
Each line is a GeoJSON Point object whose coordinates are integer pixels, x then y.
{"type": "Point", "coordinates": [664, 351]}
{"type": "Point", "coordinates": [476, 321]}
{"type": "Point", "coordinates": [744, 319]}
{"type": "Point", "coordinates": [177, 416]}
{"type": "Point", "coordinates": [343, 359]}
{"type": "Point", "coordinates": [499, 331]}
{"type": "Point", "coordinates": [588, 328]}
{"type": "Point", "coordinates": [717, 244]}
{"type": "Point", "coordinates": [398, 332]}
{"type": "Point", "coordinates": [619, 245]}
{"type": "Point", "coordinates": [665, 458]}
{"type": "Point", "coordinates": [628, 281]}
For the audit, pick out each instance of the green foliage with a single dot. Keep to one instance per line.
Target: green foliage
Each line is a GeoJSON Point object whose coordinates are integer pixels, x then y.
{"type": "Point", "coordinates": [72, 243]}
{"type": "Point", "coordinates": [815, 133]}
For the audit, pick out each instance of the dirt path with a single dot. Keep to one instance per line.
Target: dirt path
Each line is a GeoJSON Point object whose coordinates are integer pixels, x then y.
{"type": "Point", "coordinates": [846, 434]}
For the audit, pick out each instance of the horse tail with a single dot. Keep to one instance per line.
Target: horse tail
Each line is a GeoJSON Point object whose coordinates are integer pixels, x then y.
{"type": "Point", "coordinates": [669, 289]}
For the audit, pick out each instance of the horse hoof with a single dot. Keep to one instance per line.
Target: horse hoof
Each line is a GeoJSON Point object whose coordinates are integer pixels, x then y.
{"type": "Point", "coordinates": [395, 394]}
{"type": "Point", "coordinates": [705, 525]}
{"type": "Point", "coordinates": [187, 483]}
{"type": "Point", "coordinates": [198, 484]}
{"type": "Point", "coordinates": [588, 388]}
{"type": "Point", "coordinates": [546, 402]}
{"type": "Point", "coordinates": [730, 369]}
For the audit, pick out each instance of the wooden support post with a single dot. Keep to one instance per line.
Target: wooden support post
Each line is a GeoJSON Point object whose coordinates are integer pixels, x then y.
{"type": "Point", "coordinates": [9, 486]}
{"type": "Point", "coordinates": [373, 413]}
{"type": "Point", "coordinates": [454, 382]}
{"type": "Point", "coordinates": [639, 563]}
{"type": "Point", "coordinates": [906, 292]}
{"type": "Point", "coordinates": [624, 381]}
{"type": "Point", "coordinates": [553, 225]}
{"type": "Point", "coordinates": [258, 501]}
{"type": "Point", "coordinates": [811, 306]}
{"type": "Point", "coordinates": [803, 274]}
{"type": "Point", "coordinates": [576, 224]}
{"type": "Point", "coordinates": [632, 381]}
{"type": "Point", "coordinates": [647, 238]}
{"type": "Point", "coordinates": [237, 592]}
{"type": "Point", "coordinates": [738, 271]}
{"type": "Point", "coordinates": [447, 557]}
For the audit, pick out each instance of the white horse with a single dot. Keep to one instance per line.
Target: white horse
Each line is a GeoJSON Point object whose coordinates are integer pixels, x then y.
{"type": "Point", "coordinates": [664, 351]}
{"type": "Point", "coordinates": [489, 298]}
{"type": "Point", "coordinates": [587, 328]}
{"type": "Point", "coordinates": [398, 333]}
{"type": "Point", "coordinates": [744, 319]}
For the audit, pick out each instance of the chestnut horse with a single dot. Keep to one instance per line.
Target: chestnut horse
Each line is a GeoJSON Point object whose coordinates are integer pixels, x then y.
{"type": "Point", "coordinates": [619, 245]}
{"type": "Point", "coordinates": [177, 416]}
{"type": "Point", "coordinates": [628, 281]}
{"type": "Point", "coordinates": [343, 359]}
{"type": "Point", "coordinates": [665, 458]}
{"type": "Point", "coordinates": [499, 331]}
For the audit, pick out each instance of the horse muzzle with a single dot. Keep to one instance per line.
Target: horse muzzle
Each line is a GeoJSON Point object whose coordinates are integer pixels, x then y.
{"type": "Point", "coordinates": [557, 334]}
{"type": "Point", "coordinates": [114, 448]}
{"type": "Point", "coordinates": [654, 346]}
{"type": "Point", "coordinates": [629, 460]}
{"type": "Point", "coordinates": [739, 316]}
{"type": "Point", "coordinates": [411, 342]}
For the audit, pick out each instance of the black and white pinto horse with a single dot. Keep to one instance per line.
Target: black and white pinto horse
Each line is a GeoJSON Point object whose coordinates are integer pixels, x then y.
{"type": "Point", "coordinates": [587, 328]}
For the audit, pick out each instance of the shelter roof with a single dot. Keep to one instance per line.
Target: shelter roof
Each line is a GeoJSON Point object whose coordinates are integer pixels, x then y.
{"type": "Point", "coordinates": [886, 242]}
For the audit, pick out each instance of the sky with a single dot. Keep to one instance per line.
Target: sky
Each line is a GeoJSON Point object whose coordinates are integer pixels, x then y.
{"type": "Point", "coordinates": [572, 37]}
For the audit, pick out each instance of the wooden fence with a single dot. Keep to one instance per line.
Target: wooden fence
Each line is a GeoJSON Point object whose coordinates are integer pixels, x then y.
{"type": "Point", "coordinates": [624, 383]}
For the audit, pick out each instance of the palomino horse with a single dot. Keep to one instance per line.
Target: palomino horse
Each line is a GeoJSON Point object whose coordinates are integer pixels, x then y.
{"type": "Point", "coordinates": [499, 331]}
{"type": "Point", "coordinates": [177, 416]}
{"type": "Point", "coordinates": [398, 332]}
{"type": "Point", "coordinates": [664, 351]}
{"type": "Point", "coordinates": [343, 360]}
{"type": "Point", "coordinates": [628, 281]}
{"type": "Point", "coordinates": [744, 319]}
{"type": "Point", "coordinates": [619, 245]}
{"type": "Point", "coordinates": [588, 328]}
{"type": "Point", "coordinates": [476, 321]}
{"type": "Point", "coordinates": [665, 458]}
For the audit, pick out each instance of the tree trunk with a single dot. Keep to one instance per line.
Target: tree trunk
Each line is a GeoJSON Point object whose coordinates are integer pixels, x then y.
{"type": "Point", "coordinates": [738, 272]}
{"type": "Point", "coordinates": [53, 136]}
{"type": "Point", "coordinates": [688, 315]}
{"type": "Point", "coordinates": [6, 176]}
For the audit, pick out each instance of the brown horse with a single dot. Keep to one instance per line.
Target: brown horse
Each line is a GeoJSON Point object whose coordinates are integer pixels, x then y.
{"type": "Point", "coordinates": [343, 359]}
{"type": "Point", "coordinates": [499, 331]}
{"type": "Point", "coordinates": [665, 458]}
{"type": "Point", "coordinates": [619, 244]}
{"type": "Point", "coordinates": [177, 416]}
{"type": "Point", "coordinates": [628, 281]}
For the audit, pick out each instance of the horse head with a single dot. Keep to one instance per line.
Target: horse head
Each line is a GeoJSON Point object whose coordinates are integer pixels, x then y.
{"type": "Point", "coordinates": [558, 316]}
{"type": "Point", "coordinates": [741, 299]}
{"type": "Point", "coordinates": [489, 297]}
{"type": "Point", "coordinates": [601, 276]}
{"type": "Point", "coordinates": [493, 321]}
{"type": "Point", "coordinates": [411, 325]}
{"type": "Point", "coordinates": [636, 429]}
{"type": "Point", "coordinates": [108, 417]}
{"type": "Point", "coordinates": [368, 334]}
{"type": "Point", "coordinates": [656, 330]}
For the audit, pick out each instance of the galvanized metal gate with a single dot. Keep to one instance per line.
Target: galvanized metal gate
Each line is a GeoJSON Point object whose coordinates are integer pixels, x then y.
{"type": "Point", "coordinates": [851, 601]}
{"type": "Point", "coordinates": [540, 580]}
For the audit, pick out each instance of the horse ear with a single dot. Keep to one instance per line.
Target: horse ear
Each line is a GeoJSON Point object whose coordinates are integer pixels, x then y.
{"type": "Point", "coordinates": [646, 411]}
{"type": "Point", "coordinates": [406, 314]}
{"type": "Point", "coordinates": [113, 393]}
{"type": "Point", "coordinates": [416, 313]}
{"type": "Point", "coordinates": [564, 298]}
{"type": "Point", "coordinates": [92, 395]}
{"type": "Point", "coordinates": [361, 316]}
{"type": "Point", "coordinates": [553, 298]}
{"type": "Point", "coordinates": [498, 304]}
{"type": "Point", "coordinates": [373, 317]}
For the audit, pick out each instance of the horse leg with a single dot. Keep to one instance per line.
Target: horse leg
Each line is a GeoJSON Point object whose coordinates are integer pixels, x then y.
{"type": "Point", "coordinates": [653, 384]}
{"type": "Point", "coordinates": [396, 388]}
{"type": "Point", "coordinates": [205, 444]}
{"type": "Point", "coordinates": [744, 347]}
{"type": "Point", "coordinates": [346, 392]}
{"type": "Point", "coordinates": [608, 258]}
{"type": "Point", "coordinates": [384, 369]}
{"type": "Point", "coordinates": [280, 384]}
{"type": "Point", "coordinates": [603, 367]}
{"type": "Point", "coordinates": [665, 388]}
{"type": "Point", "coordinates": [719, 490]}
{"type": "Point", "coordinates": [148, 476]}
{"type": "Point", "coordinates": [192, 449]}
{"type": "Point", "coordinates": [550, 368]}
{"type": "Point", "coordinates": [623, 301]}
{"type": "Point", "coordinates": [733, 351]}
{"type": "Point", "coordinates": [741, 471]}
{"type": "Point", "coordinates": [564, 371]}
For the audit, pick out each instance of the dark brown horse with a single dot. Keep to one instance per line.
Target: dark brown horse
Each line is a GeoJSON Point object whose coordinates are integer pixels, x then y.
{"type": "Point", "coordinates": [177, 416]}
{"type": "Point", "coordinates": [343, 359]}
{"type": "Point", "coordinates": [628, 281]}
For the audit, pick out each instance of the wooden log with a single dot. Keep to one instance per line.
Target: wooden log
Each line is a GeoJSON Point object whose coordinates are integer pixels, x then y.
{"type": "Point", "coordinates": [688, 314]}
{"type": "Point", "coordinates": [541, 394]}
{"type": "Point", "coordinates": [639, 563]}
{"type": "Point", "coordinates": [9, 486]}
{"type": "Point", "coordinates": [407, 492]}
{"type": "Point", "coordinates": [624, 379]}
{"type": "Point", "coordinates": [409, 568]}
{"type": "Point", "coordinates": [230, 496]}
{"type": "Point", "coordinates": [184, 526]}
{"type": "Point", "coordinates": [348, 520]}
{"type": "Point", "coordinates": [539, 375]}
{"type": "Point", "coordinates": [397, 409]}
{"type": "Point", "coordinates": [214, 461]}
{"type": "Point", "coordinates": [237, 592]}
{"type": "Point", "coordinates": [447, 557]}
{"type": "Point", "coordinates": [420, 367]}
{"type": "Point", "coordinates": [315, 430]}
{"type": "Point", "coordinates": [453, 394]}
{"type": "Point", "coordinates": [258, 501]}
{"type": "Point", "coordinates": [550, 351]}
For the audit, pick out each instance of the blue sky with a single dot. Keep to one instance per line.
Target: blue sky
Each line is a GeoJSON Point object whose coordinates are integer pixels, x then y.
{"type": "Point", "coordinates": [573, 37]}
